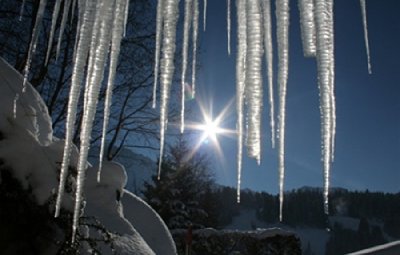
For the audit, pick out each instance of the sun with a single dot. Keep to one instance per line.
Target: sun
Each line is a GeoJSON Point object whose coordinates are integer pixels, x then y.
{"type": "Point", "coordinates": [210, 128]}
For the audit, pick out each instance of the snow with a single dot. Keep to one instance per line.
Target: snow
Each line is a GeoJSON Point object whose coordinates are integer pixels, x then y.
{"type": "Point", "coordinates": [32, 113]}
{"type": "Point", "coordinates": [392, 248]}
{"type": "Point", "coordinates": [101, 198]}
{"type": "Point", "coordinates": [148, 223]}
{"type": "Point", "coordinates": [30, 137]}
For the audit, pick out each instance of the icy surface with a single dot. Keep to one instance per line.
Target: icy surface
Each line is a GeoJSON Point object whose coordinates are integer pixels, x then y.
{"type": "Point", "coordinates": [266, 5]}
{"type": "Point", "coordinates": [240, 84]}
{"type": "Point", "coordinates": [282, 30]}
{"type": "Point", "coordinates": [364, 18]}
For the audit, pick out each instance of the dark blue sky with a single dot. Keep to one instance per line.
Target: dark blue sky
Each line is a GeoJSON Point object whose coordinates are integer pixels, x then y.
{"type": "Point", "coordinates": [368, 106]}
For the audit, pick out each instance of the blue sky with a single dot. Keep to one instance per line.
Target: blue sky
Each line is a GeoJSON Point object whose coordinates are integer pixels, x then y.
{"type": "Point", "coordinates": [368, 106]}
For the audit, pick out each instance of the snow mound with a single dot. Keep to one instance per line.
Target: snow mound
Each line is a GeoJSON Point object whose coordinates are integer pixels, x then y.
{"type": "Point", "coordinates": [148, 223]}
{"type": "Point", "coordinates": [103, 203]}
{"type": "Point", "coordinates": [31, 112]}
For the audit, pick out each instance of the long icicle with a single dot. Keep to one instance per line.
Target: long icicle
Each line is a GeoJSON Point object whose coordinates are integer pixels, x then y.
{"type": "Point", "coordinates": [204, 14]}
{"type": "Point", "coordinates": [32, 45]}
{"type": "Point", "coordinates": [167, 67]}
{"type": "Point", "coordinates": [254, 92]}
{"type": "Point", "coordinates": [76, 80]}
{"type": "Point", "coordinates": [185, 46]}
{"type": "Point", "coordinates": [126, 14]}
{"type": "Point", "coordinates": [117, 32]}
{"type": "Point", "coordinates": [240, 84]}
{"type": "Point", "coordinates": [364, 17]}
{"type": "Point", "coordinates": [67, 4]}
{"type": "Point", "coordinates": [106, 15]}
{"type": "Point", "coordinates": [282, 30]}
{"type": "Point", "coordinates": [53, 28]}
{"type": "Point", "coordinates": [323, 12]}
{"type": "Point", "coordinates": [266, 4]}
{"type": "Point", "coordinates": [332, 84]}
{"type": "Point", "coordinates": [228, 24]}
{"type": "Point", "coordinates": [307, 25]}
{"type": "Point", "coordinates": [159, 24]}
{"type": "Point", "coordinates": [21, 11]}
{"type": "Point", "coordinates": [194, 44]}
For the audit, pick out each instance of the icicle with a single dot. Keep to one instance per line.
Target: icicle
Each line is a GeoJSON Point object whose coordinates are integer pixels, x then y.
{"type": "Point", "coordinates": [228, 24]}
{"type": "Point", "coordinates": [21, 12]}
{"type": "Point", "coordinates": [282, 30]}
{"type": "Point", "coordinates": [32, 45]}
{"type": "Point", "coordinates": [159, 24]}
{"type": "Point", "coordinates": [170, 13]}
{"type": "Point", "coordinates": [269, 58]}
{"type": "Point", "coordinates": [126, 16]}
{"type": "Point", "coordinates": [254, 92]}
{"type": "Point", "coordinates": [67, 4]}
{"type": "Point", "coordinates": [117, 32]}
{"type": "Point", "coordinates": [194, 44]}
{"type": "Point", "coordinates": [186, 29]}
{"type": "Point", "coordinates": [15, 105]}
{"type": "Point", "coordinates": [79, 62]}
{"type": "Point", "coordinates": [99, 56]}
{"type": "Point", "coordinates": [240, 83]}
{"type": "Point", "coordinates": [364, 17]}
{"type": "Point", "coordinates": [73, 8]}
{"type": "Point", "coordinates": [204, 14]}
{"type": "Point", "coordinates": [332, 84]}
{"type": "Point", "coordinates": [53, 28]}
{"type": "Point", "coordinates": [307, 24]}
{"type": "Point", "coordinates": [324, 21]}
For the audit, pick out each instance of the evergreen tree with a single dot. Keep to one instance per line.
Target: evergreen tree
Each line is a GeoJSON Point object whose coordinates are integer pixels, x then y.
{"type": "Point", "coordinates": [182, 194]}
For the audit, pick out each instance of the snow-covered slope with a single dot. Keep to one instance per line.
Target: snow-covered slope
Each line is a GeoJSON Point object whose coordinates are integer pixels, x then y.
{"type": "Point", "coordinates": [148, 223]}
{"type": "Point", "coordinates": [29, 151]}
{"type": "Point", "coordinates": [30, 111]}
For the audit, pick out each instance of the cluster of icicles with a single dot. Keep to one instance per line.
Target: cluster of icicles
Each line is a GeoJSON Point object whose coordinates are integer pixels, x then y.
{"type": "Point", "coordinates": [96, 48]}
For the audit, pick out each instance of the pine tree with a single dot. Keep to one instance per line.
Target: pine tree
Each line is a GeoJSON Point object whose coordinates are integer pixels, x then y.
{"type": "Point", "coordinates": [181, 195]}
